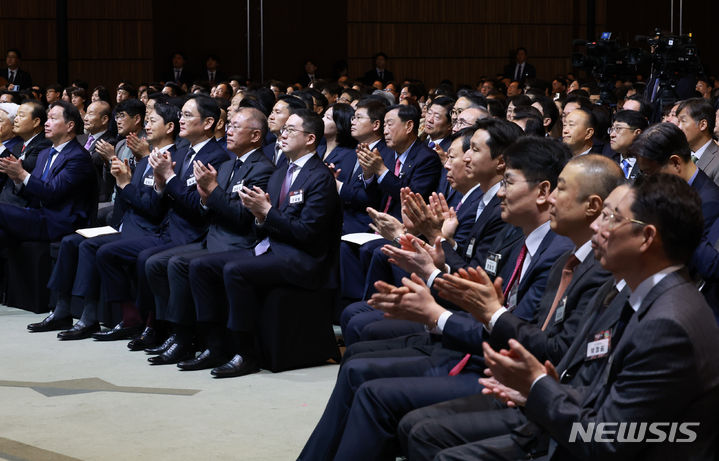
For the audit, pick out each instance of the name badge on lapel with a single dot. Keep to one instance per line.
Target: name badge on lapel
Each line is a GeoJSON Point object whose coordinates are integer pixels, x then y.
{"type": "Point", "coordinates": [191, 181]}
{"type": "Point", "coordinates": [559, 313]}
{"type": "Point", "coordinates": [598, 345]}
{"type": "Point", "coordinates": [238, 187]}
{"type": "Point", "coordinates": [492, 262]}
{"type": "Point", "coordinates": [297, 196]}
{"type": "Point", "coordinates": [149, 181]}
{"type": "Point", "coordinates": [470, 248]}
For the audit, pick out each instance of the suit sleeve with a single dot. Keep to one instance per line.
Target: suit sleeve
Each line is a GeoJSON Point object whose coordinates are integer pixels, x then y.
{"type": "Point", "coordinates": [187, 199]}
{"type": "Point", "coordinates": [423, 181]}
{"type": "Point", "coordinates": [73, 174]}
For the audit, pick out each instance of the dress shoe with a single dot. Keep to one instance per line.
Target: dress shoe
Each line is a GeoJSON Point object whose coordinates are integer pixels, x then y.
{"type": "Point", "coordinates": [78, 331]}
{"type": "Point", "coordinates": [119, 332]}
{"type": "Point", "coordinates": [147, 339]}
{"type": "Point", "coordinates": [50, 323]}
{"type": "Point", "coordinates": [207, 359]}
{"type": "Point", "coordinates": [175, 353]}
{"type": "Point", "coordinates": [162, 347]}
{"type": "Point", "coordinates": [238, 366]}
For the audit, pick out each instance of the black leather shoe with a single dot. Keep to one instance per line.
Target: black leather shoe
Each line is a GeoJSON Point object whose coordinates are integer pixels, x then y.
{"type": "Point", "coordinates": [238, 366]}
{"type": "Point", "coordinates": [207, 359]}
{"type": "Point", "coordinates": [162, 347]}
{"type": "Point", "coordinates": [147, 339]}
{"type": "Point", "coordinates": [119, 332]}
{"type": "Point", "coordinates": [78, 331]}
{"type": "Point", "coordinates": [175, 353]}
{"type": "Point", "coordinates": [50, 323]}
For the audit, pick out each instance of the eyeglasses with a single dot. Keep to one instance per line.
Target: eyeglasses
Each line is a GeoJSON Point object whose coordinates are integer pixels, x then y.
{"type": "Point", "coordinates": [504, 184]}
{"type": "Point", "coordinates": [290, 130]}
{"type": "Point", "coordinates": [234, 126]}
{"type": "Point", "coordinates": [615, 221]}
{"type": "Point", "coordinates": [613, 129]}
{"type": "Point", "coordinates": [359, 117]}
{"type": "Point", "coordinates": [459, 123]}
{"type": "Point", "coordinates": [456, 112]}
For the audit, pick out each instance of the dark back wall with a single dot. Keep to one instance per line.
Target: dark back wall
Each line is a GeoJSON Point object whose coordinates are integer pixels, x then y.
{"type": "Point", "coordinates": [112, 40]}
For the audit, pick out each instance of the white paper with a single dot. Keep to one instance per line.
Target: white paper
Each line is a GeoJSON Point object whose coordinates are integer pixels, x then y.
{"type": "Point", "coordinates": [360, 238]}
{"type": "Point", "coordinates": [91, 232]}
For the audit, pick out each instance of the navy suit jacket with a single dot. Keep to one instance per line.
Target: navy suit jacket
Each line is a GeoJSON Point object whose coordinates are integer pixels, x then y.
{"type": "Point", "coordinates": [463, 332]}
{"type": "Point", "coordinates": [306, 234]}
{"type": "Point", "coordinates": [481, 238]}
{"type": "Point", "coordinates": [420, 172]}
{"type": "Point", "coordinates": [231, 224]}
{"type": "Point", "coordinates": [709, 193]}
{"type": "Point", "coordinates": [187, 221]}
{"type": "Point", "coordinates": [466, 214]}
{"type": "Point", "coordinates": [142, 214]}
{"type": "Point", "coordinates": [343, 158]}
{"type": "Point", "coordinates": [356, 198]}
{"type": "Point", "coordinates": [10, 144]}
{"type": "Point", "coordinates": [552, 343]}
{"type": "Point", "coordinates": [67, 197]}
{"type": "Point", "coordinates": [29, 159]}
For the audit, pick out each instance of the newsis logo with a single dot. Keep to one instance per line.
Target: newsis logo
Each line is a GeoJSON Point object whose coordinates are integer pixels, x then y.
{"type": "Point", "coordinates": [633, 432]}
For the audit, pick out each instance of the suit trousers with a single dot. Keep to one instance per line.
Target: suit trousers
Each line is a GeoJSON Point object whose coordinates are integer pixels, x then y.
{"type": "Point", "coordinates": [361, 322]}
{"type": "Point", "coordinates": [22, 224]}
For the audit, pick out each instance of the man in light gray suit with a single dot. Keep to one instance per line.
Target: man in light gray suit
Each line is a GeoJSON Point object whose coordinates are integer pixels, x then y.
{"type": "Point", "coordinates": [664, 369]}
{"type": "Point", "coordinates": [697, 119]}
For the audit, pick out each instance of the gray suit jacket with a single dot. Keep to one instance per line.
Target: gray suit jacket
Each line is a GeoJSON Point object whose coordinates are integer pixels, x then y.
{"type": "Point", "coordinates": [665, 368]}
{"type": "Point", "coordinates": [709, 163]}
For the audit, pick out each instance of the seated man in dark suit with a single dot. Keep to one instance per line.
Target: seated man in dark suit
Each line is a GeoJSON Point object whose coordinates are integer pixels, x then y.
{"type": "Point", "coordinates": [60, 187]}
{"type": "Point", "coordinates": [532, 168]}
{"type": "Point", "coordinates": [412, 164]}
{"type": "Point", "coordinates": [438, 128]}
{"type": "Point", "coordinates": [664, 354]}
{"type": "Point", "coordinates": [139, 214]}
{"type": "Point", "coordinates": [29, 124]}
{"type": "Point", "coordinates": [300, 219]}
{"type": "Point", "coordinates": [8, 139]}
{"type": "Point", "coordinates": [231, 227]}
{"type": "Point", "coordinates": [696, 118]}
{"type": "Point", "coordinates": [281, 111]}
{"type": "Point", "coordinates": [627, 126]}
{"type": "Point", "coordinates": [175, 183]}
{"type": "Point", "coordinates": [97, 124]}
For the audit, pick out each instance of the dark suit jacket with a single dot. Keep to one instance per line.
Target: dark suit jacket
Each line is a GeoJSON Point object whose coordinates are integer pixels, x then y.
{"type": "Point", "coordinates": [231, 224]}
{"type": "Point", "coordinates": [186, 77]}
{"type": "Point", "coordinates": [528, 72]}
{"type": "Point", "coordinates": [420, 172]}
{"type": "Point", "coordinates": [8, 194]}
{"type": "Point", "coordinates": [306, 234]}
{"type": "Point", "coordinates": [187, 221]}
{"type": "Point", "coordinates": [664, 368]}
{"type": "Point", "coordinates": [484, 231]}
{"type": "Point", "coordinates": [105, 179]}
{"type": "Point", "coordinates": [372, 76]}
{"type": "Point", "coordinates": [22, 78]}
{"type": "Point", "coordinates": [466, 214]}
{"type": "Point", "coordinates": [463, 332]}
{"type": "Point", "coordinates": [343, 158]}
{"type": "Point", "coordinates": [67, 197]}
{"type": "Point", "coordinates": [11, 144]}
{"type": "Point", "coordinates": [142, 214]}
{"type": "Point", "coordinates": [709, 163]}
{"type": "Point", "coordinates": [356, 198]}
{"type": "Point", "coordinates": [709, 193]}
{"type": "Point", "coordinates": [552, 343]}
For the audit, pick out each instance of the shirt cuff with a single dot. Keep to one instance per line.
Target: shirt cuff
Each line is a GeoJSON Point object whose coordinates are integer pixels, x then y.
{"type": "Point", "coordinates": [367, 182]}
{"type": "Point", "coordinates": [430, 280]}
{"type": "Point", "coordinates": [26, 180]}
{"type": "Point", "coordinates": [379, 180]}
{"type": "Point", "coordinates": [494, 318]}
{"type": "Point", "coordinates": [535, 381]}
{"type": "Point", "coordinates": [442, 320]}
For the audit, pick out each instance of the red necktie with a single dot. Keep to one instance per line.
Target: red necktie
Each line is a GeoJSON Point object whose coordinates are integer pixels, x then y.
{"type": "Point", "coordinates": [397, 169]}
{"type": "Point", "coordinates": [567, 274]}
{"type": "Point", "coordinates": [515, 277]}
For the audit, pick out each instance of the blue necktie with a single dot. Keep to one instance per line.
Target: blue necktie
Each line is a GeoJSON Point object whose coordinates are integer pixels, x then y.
{"type": "Point", "coordinates": [186, 162]}
{"type": "Point", "coordinates": [46, 171]}
{"type": "Point", "coordinates": [626, 167]}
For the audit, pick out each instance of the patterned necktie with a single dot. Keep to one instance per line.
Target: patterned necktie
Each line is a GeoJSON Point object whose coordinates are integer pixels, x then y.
{"type": "Point", "coordinates": [46, 171]}
{"type": "Point", "coordinates": [515, 276]}
{"type": "Point", "coordinates": [186, 162]}
{"type": "Point", "coordinates": [567, 274]}
{"type": "Point", "coordinates": [397, 170]}
{"type": "Point", "coordinates": [286, 184]}
{"type": "Point", "coordinates": [12, 76]}
{"type": "Point", "coordinates": [626, 167]}
{"type": "Point", "coordinates": [235, 169]}
{"type": "Point", "coordinates": [88, 144]}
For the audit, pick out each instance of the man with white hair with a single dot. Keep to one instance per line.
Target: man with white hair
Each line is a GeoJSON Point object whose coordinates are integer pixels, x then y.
{"type": "Point", "coordinates": [8, 140]}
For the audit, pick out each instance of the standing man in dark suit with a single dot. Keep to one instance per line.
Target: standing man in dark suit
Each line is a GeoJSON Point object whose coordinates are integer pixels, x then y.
{"type": "Point", "coordinates": [664, 366]}
{"type": "Point", "coordinates": [300, 219]}
{"type": "Point", "coordinates": [520, 70]}
{"type": "Point", "coordinates": [379, 73]}
{"type": "Point", "coordinates": [179, 74]}
{"type": "Point", "coordinates": [17, 78]}
{"type": "Point", "coordinates": [231, 228]}
{"type": "Point", "coordinates": [60, 187]}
